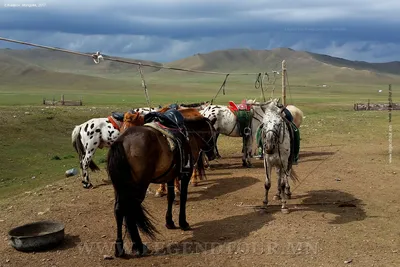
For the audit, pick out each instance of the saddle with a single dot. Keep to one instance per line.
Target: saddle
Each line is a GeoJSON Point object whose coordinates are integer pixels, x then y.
{"type": "Point", "coordinates": [294, 140]}
{"type": "Point", "coordinates": [172, 125]}
{"type": "Point", "coordinates": [119, 116]}
{"type": "Point", "coordinates": [243, 115]}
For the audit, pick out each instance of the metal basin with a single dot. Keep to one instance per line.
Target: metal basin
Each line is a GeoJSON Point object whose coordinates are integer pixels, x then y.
{"type": "Point", "coordinates": [37, 236]}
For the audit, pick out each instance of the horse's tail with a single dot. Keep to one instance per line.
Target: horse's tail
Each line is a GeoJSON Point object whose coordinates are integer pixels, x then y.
{"type": "Point", "coordinates": [119, 171]}
{"type": "Point", "coordinates": [77, 144]}
{"type": "Point", "coordinates": [200, 166]}
{"type": "Point", "coordinates": [294, 176]}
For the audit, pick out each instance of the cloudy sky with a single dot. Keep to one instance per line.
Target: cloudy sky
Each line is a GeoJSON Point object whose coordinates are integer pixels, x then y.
{"type": "Point", "coordinates": [166, 30]}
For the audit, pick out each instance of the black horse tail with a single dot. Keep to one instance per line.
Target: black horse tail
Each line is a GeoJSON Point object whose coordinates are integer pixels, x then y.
{"type": "Point", "coordinates": [77, 144]}
{"type": "Point", "coordinates": [119, 171]}
{"type": "Point", "coordinates": [200, 166]}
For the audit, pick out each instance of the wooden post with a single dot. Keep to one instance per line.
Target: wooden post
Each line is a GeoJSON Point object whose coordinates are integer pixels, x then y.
{"type": "Point", "coordinates": [62, 100]}
{"type": "Point", "coordinates": [284, 82]}
{"type": "Point", "coordinates": [368, 107]}
{"type": "Point", "coordinates": [390, 124]}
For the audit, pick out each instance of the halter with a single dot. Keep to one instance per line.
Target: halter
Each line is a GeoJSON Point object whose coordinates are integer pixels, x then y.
{"type": "Point", "coordinates": [277, 134]}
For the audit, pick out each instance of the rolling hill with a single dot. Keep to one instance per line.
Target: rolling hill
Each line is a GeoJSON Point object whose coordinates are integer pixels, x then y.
{"type": "Point", "coordinates": [51, 67]}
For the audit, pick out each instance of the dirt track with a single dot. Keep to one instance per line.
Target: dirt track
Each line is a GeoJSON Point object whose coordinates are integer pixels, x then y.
{"type": "Point", "coordinates": [317, 232]}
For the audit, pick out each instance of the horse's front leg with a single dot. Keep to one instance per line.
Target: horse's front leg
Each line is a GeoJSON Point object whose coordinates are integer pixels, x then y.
{"type": "Point", "coordinates": [267, 184]}
{"type": "Point", "coordinates": [171, 197]}
{"type": "Point", "coordinates": [182, 212]}
{"type": "Point", "coordinates": [288, 194]}
{"type": "Point", "coordinates": [283, 178]}
{"type": "Point", "coordinates": [278, 195]}
{"type": "Point", "coordinates": [246, 149]}
{"type": "Point", "coordinates": [161, 191]}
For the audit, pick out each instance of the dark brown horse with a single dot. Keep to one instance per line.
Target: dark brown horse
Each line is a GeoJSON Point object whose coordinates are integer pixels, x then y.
{"type": "Point", "coordinates": [142, 155]}
{"type": "Point", "coordinates": [137, 119]}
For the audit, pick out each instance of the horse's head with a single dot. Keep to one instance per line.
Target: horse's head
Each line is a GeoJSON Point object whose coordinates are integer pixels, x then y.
{"type": "Point", "coordinates": [272, 127]}
{"type": "Point", "coordinates": [202, 129]}
{"type": "Point", "coordinates": [132, 119]}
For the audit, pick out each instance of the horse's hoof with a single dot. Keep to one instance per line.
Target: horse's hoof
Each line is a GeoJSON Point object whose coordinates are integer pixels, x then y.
{"type": "Point", "coordinates": [144, 251]}
{"type": "Point", "coordinates": [88, 186]}
{"type": "Point", "coordinates": [218, 156]}
{"type": "Point", "coordinates": [288, 196]}
{"type": "Point", "coordinates": [170, 225]}
{"type": "Point", "coordinates": [185, 227]}
{"type": "Point", "coordinates": [160, 194]}
{"type": "Point", "coordinates": [195, 184]}
{"type": "Point", "coordinates": [177, 193]}
{"type": "Point", "coordinates": [119, 250]}
{"type": "Point", "coordinates": [277, 198]}
{"type": "Point", "coordinates": [265, 202]}
{"type": "Point", "coordinates": [285, 210]}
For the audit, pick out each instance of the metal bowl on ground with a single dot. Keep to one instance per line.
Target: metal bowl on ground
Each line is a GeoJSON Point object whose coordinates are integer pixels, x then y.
{"type": "Point", "coordinates": [37, 236]}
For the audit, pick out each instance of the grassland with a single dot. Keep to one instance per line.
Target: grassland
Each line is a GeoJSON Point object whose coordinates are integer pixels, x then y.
{"type": "Point", "coordinates": [35, 139]}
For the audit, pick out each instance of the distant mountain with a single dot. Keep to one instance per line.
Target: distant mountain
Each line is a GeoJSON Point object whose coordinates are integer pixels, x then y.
{"type": "Point", "coordinates": [40, 64]}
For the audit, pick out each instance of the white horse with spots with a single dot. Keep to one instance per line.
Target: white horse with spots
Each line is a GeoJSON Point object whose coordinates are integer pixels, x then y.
{"type": "Point", "coordinates": [228, 125]}
{"type": "Point", "coordinates": [97, 133]}
{"type": "Point", "coordinates": [276, 135]}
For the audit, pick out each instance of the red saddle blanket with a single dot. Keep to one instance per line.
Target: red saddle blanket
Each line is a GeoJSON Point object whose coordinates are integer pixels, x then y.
{"type": "Point", "coordinates": [242, 106]}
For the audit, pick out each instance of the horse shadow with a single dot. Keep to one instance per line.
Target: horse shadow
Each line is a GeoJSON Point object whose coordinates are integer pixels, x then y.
{"type": "Point", "coordinates": [220, 187]}
{"type": "Point", "coordinates": [343, 206]}
{"type": "Point", "coordinates": [305, 154]}
{"type": "Point", "coordinates": [217, 234]}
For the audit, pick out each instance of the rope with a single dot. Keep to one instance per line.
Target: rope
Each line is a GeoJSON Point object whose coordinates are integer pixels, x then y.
{"type": "Point", "coordinates": [221, 88]}
{"type": "Point", "coordinates": [98, 56]}
{"type": "Point", "coordinates": [144, 85]}
{"type": "Point", "coordinates": [259, 83]}
{"type": "Point", "coordinates": [290, 92]}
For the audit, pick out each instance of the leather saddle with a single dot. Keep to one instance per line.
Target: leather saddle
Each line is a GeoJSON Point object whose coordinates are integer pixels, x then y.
{"type": "Point", "coordinates": [119, 116]}
{"type": "Point", "coordinates": [173, 122]}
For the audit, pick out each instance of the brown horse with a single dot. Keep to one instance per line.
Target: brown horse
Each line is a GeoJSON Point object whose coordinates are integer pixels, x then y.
{"type": "Point", "coordinates": [136, 119]}
{"type": "Point", "coordinates": [142, 155]}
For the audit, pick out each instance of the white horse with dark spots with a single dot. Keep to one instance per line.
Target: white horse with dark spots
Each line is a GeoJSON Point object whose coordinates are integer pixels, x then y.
{"type": "Point", "coordinates": [227, 124]}
{"type": "Point", "coordinates": [278, 137]}
{"type": "Point", "coordinates": [97, 133]}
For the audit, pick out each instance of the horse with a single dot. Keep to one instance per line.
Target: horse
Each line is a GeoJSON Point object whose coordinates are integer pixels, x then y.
{"type": "Point", "coordinates": [97, 133]}
{"type": "Point", "coordinates": [278, 138]}
{"type": "Point", "coordinates": [142, 155]}
{"type": "Point", "coordinates": [297, 114]}
{"type": "Point", "coordinates": [137, 119]}
{"type": "Point", "coordinates": [297, 117]}
{"type": "Point", "coordinates": [227, 124]}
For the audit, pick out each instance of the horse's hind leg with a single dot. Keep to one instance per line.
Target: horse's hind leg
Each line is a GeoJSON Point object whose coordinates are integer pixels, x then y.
{"type": "Point", "coordinates": [85, 172]}
{"type": "Point", "coordinates": [218, 156]}
{"type": "Point", "coordinates": [161, 191]}
{"type": "Point", "coordinates": [119, 217]}
{"type": "Point", "coordinates": [177, 187]}
{"type": "Point", "coordinates": [182, 212]}
{"type": "Point", "coordinates": [171, 197]}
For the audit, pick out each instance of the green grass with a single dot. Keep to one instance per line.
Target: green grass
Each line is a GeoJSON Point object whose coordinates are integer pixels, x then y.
{"type": "Point", "coordinates": [31, 142]}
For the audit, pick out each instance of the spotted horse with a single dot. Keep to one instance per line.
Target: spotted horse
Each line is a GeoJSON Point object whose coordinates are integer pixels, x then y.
{"type": "Point", "coordinates": [237, 121]}
{"type": "Point", "coordinates": [92, 134]}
